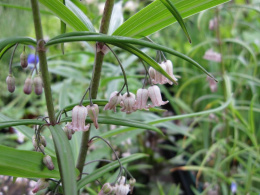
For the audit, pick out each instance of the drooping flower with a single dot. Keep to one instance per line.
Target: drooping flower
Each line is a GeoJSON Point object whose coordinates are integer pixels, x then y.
{"type": "Point", "coordinates": [10, 81]}
{"type": "Point", "coordinates": [213, 23]}
{"type": "Point", "coordinates": [107, 189]}
{"type": "Point", "coordinates": [169, 70]}
{"type": "Point", "coordinates": [152, 73]}
{"type": "Point", "coordinates": [114, 99]}
{"type": "Point", "coordinates": [128, 102]}
{"type": "Point", "coordinates": [212, 84]}
{"type": "Point", "coordinates": [156, 97]}
{"type": "Point", "coordinates": [132, 182]}
{"type": "Point", "coordinates": [93, 113]}
{"type": "Point", "coordinates": [160, 78]}
{"type": "Point", "coordinates": [40, 185]}
{"type": "Point", "coordinates": [69, 131]}
{"type": "Point", "coordinates": [79, 114]}
{"type": "Point", "coordinates": [212, 56]}
{"type": "Point", "coordinates": [141, 99]}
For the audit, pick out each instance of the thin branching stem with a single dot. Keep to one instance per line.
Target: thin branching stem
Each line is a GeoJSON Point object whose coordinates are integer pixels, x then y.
{"type": "Point", "coordinates": [11, 60]}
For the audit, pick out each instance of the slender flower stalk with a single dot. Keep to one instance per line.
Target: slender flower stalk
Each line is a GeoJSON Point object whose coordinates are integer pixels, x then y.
{"type": "Point", "coordinates": [95, 82]}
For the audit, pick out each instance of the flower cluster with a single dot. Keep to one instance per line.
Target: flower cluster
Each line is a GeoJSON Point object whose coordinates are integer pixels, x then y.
{"type": "Point", "coordinates": [120, 188]}
{"type": "Point", "coordinates": [158, 78]}
{"type": "Point", "coordinates": [79, 114]}
{"type": "Point", "coordinates": [130, 103]}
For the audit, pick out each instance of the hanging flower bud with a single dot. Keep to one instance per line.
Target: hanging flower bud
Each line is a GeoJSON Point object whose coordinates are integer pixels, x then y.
{"type": "Point", "coordinates": [48, 162]}
{"type": "Point", "coordinates": [213, 23]}
{"type": "Point", "coordinates": [128, 102]}
{"type": "Point", "coordinates": [155, 95]}
{"type": "Point", "coordinates": [40, 185]}
{"type": "Point", "coordinates": [43, 140]}
{"type": "Point", "coordinates": [114, 99]}
{"type": "Point", "coordinates": [37, 81]}
{"type": "Point", "coordinates": [34, 141]}
{"type": "Point", "coordinates": [79, 114]}
{"type": "Point", "coordinates": [93, 113]}
{"type": "Point", "coordinates": [23, 59]}
{"type": "Point", "coordinates": [107, 189]}
{"type": "Point", "coordinates": [69, 132]}
{"type": "Point", "coordinates": [27, 88]}
{"type": "Point", "coordinates": [10, 81]}
{"type": "Point", "coordinates": [40, 148]}
{"type": "Point", "coordinates": [212, 84]}
{"type": "Point", "coordinates": [169, 70]}
{"type": "Point", "coordinates": [132, 182]}
{"type": "Point", "coordinates": [141, 99]}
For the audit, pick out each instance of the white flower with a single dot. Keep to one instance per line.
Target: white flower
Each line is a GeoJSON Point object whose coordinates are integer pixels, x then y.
{"type": "Point", "coordinates": [155, 95]}
{"type": "Point", "coordinates": [122, 189]}
{"type": "Point", "coordinates": [114, 99]}
{"type": "Point", "coordinates": [128, 102]}
{"type": "Point", "coordinates": [79, 114]}
{"type": "Point", "coordinates": [169, 70]}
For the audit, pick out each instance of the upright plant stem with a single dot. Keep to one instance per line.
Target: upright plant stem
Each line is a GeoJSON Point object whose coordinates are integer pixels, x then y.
{"type": "Point", "coordinates": [43, 60]}
{"type": "Point", "coordinates": [95, 82]}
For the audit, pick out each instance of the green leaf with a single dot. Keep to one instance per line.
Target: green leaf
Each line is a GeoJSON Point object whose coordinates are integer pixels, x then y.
{"type": "Point", "coordinates": [120, 122]}
{"type": "Point", "coordinates": [117, 18]}
{"type": "Point", "coordinates": [80, 15]}
{"type": "Point", "coordinates": [20, 163]}
{"type": "Point", "coordinates": [65, 159]}
{"type": "Point", "coordinates": [156, 16]}
{"type": "Point", "coordinates": [13, 123]}
{"type": "Point", "coordinates": [5, 49]}
{"type": "Point", "coordinates": [121, 42]}
{"type": "Point", "coordinates": [177, 16]}
{"type": "Point", "coordinates": [101, 171]}
{"type": "Point", "coordinates": [13, 40]}
{"type": "Point", "coordinates": [65, 14]}
{"type": "Point", "coordinates": [62, 29]}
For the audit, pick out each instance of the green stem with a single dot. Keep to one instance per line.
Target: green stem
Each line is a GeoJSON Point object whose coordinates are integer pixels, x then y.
{"type": "Point", "coordinates": [95, 83]}
{"type": "Point", "coordinates": [43, 60]}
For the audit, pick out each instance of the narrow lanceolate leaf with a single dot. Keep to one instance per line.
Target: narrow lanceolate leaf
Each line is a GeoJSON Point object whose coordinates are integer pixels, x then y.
{"type": "Point", "coordinates": [5, 49]}
{"type": "Point", "coordinates": [177, 16]}
{"type": "Point", "coordinates": [62, 29]}
{"type": "Point", "coordinates": [105, 169]}
{"type": "Point", "coordinates": [80, 15]}
{"type": "Point", "coordinates": [120, 122]}
{"type": "Point", "coordinates": [65, 14]}
{"type": "Point", "coordinates": [65, 160]}
{"type": "Point", "coordinates": [117, 41]}
{"type": "Point", "coordinates": [13, 40]}
{"type": "Point", "coordinates": [156, 16]}
{"type": "Point", "coordinates": [4, 124]}
{"type": "Point", "coordinates": [20, 163]}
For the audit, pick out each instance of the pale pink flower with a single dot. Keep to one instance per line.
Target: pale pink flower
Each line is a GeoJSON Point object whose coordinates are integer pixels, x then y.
{"type": "Point", "coordinates": [152, 73]}
{"type": "Point", "coordinates": [122, 189]}
{"type": "Point", "coordinates": [107, 189]}
{"type": "Point", "coordinates": [141, 99]}
{"type": "Point", "coordinates": [93, 113]}
{"type": "Point", "coordinates": [79, 114]}
{"type": "Point", "coordinates": [40, 185]}
{"type": "Point", "coordinates": [128, 102]}
{"type": "Point", "coordinates": [156, 97]}
{"type": "Point", "coordinates": [114, 99]}
{"type": "Point", "coordinates": [212, 84]}
{"type": "Point", "coordinates": [212, 56]}
{"type": "Point", "coordinates": [213, 23]}
{"type": "Point", "coordinates": [169, 70]}
{"type": "Point", "coordinates": [160, 78]}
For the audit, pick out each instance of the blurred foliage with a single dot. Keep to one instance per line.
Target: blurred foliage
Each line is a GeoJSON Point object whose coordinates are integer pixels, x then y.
{"type": "Point", "coordinates": [217, 149]}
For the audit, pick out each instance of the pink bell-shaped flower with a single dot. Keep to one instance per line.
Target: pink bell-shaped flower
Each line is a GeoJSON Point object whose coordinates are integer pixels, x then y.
{"type": "Point", "coordinates": [169, 70]}
{"type": "Point", "coordinates": [40, 185]}
{"type": "Point", "coordinates": [141, 99]}
{"type": "Point", "coordinates": [156, 97]}
{"type": "Point", "coordinates": [114, 99]}
{"type": "Point", "coordinates": [79, 114]}
{"type": "Point", "coordinates": [160, 78]}
{"type": "Point", "coordinates": [93, 113]}
{"type": "Point", "coordinates": [128, 102]}
{"type": "Point", "coordinates": [152, 73]}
